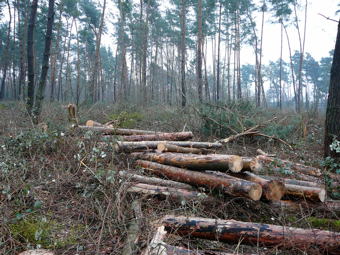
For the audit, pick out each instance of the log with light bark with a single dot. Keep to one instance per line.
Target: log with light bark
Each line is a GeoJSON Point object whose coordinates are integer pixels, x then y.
{"type": "Point", "coordinates": [115, 131]}
{"type": "Point", "coordinates": [165, 191]}
{"type": "Point", "coordinates": [168, 147]}
{"type": "Point", "coordinates": [295, 182]}
{"type": "Point", "coordinates": [147, 145]}
{"type": "Point", "coordinates": [195, 162]}
{"type": "Point", "coordinates": [153, 181]}
{"type": "Point", "coordinates": [332, 206]}
{"type": "Point", "coordinates": [176, 136]}
{"type": "Point", "coordinates": [302, 189]}
{"type": "Point", "coordinates": [291, 165]}
{"type": "Point", "coordinates": [231, 186]}
{"type": "Point", "coordinates": [251, 164]}
{"type": "Point", "coordinates": [233, 231]}
{"type": "Point", "coordinates": [272, 189]}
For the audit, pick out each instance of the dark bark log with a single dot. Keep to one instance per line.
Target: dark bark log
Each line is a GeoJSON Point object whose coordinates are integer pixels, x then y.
{"type": "Point", "coordinates": [233, 231]}
{"type": "Point", "coordinates": [178, 136]}
{"type": "Point", "coordinates": [272, 189]}
{"type": "Point", "coordinates": [153, 181]}
{"type": "Point", "coordinates": [147, 145]}
{"type": "Point", "coordinates": [165, 191]}
{"type": "Point", "coordinates": [232, 186]}
{"type": "Point", "coordinates": [197, 162]}
{"type": "Point", "coordinates": [167, 147]}
{"type": "Point", "coordinates": [332, 127]}
{"type": "Point", "coordinates": [291, 165]}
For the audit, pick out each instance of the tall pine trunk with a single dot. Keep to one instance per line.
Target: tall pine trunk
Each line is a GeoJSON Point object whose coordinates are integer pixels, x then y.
{"type": "Point", "coordinates": [183, 51]}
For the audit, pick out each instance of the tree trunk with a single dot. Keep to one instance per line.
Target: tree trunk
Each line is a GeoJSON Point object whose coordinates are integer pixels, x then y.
{"type": "Point", "coordinates": [183, 52]}
{"type": "Point", "coordinates": [147, 145]}
{"type": "Point", "coordinates": [30, 57]}
{"type": "Point", "coordinates": [254, 233]}
{"type": "Point", "coordinates": [232, 186]}
{"type": "Point", "coordinates": [45, 64]}
{"type": "Point", "coordinates": [179, 136]}
{"type": "Point", "coordinates": [116, 131]}
{"type": "Point", "coordinates": [6, 54]}
{"type": "Point", "coordinates": [218, 85]}
{"type": "Point", "coordinates": [197, 162]}
{"type": "Point", "coordinates": [332, 127]}
{"type": "Point", "coordinates": [199, 52]}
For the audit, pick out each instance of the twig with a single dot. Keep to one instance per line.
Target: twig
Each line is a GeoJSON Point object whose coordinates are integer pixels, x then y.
{"type": "Point", "coordinates": [275, 138]}
{"type": "Point", "coordinates": [328, 18]}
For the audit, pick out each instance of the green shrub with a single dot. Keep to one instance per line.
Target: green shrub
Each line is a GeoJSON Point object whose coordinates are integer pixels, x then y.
{"type": "Point", "coordinates": [126, 119]}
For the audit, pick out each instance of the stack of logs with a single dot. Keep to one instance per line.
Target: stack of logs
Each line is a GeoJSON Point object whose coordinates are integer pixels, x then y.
{"type": "Point", "coordinates": [186, 165]}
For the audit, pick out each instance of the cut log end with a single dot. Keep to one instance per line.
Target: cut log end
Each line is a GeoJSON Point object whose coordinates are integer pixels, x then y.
{"type": "Point", "coordinates": [255, 192]}
{"type": "Point", "coordinates": [274, 190]}
{"type": "Point", "coordinates": [235, 164]}
{"type": "Point", "coordinates": [322, 195]}
{"type": "Point", "coordinates": [251, 164]}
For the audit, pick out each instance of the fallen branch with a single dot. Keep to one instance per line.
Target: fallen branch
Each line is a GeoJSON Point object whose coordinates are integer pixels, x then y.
{"type": "Point", "coordinates": [253, 233]}
{"type": "Point", "coordinates": [115, 131]}
{"type": "Point", "coordinates": [232, 186]}
{"type": "Point", "coordinates": [167, 147]}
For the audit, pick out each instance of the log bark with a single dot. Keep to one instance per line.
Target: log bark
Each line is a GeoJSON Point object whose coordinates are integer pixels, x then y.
{"type": "Point", "coordinates": [232, 186]}
{"type": "Point", "coordinates": [147, 145]}
{"type": "Point", "coordinates": [196, 162]}
{"type": "Point", "coordinates": [294, 182]}
{"type": "Point", "coordinates": [291, 165]}
{"type": "Point", "coordinates": [233, 231]}
{"type": "Point", "coordinates": [153, 181]}
{"type": "Point", "coordinates": [176, 136]}
{"type": "Point", "coordinates": [327, 206]}
{"type": "Point", "coordinates": [115, 131]}
{"type": "Point", "coordinates": [272, 189]}
{"type": "Point", "coordinates": [165, 191]}
{"type": "Point", "coordinates": [310, 193]}
{"type": "Point", "coordinates": [167, 147]}
{"type": "Point", "coordinates": [251, 164]}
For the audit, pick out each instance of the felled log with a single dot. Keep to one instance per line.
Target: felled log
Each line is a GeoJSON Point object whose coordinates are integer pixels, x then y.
{"type": "Point", "coordinates": [294, 181]}
{"type": "Point", "coordinates": [153, 181]}
{"type": "Point", "coordinates": [272, 189]}
{"type": "Point", "coordinates": [115, 131]}
{"type": "Point", "coordinates": [176, 250]}
{"type": "Point", "coordinates": [196, 162]}
{"type": "Point", "coordinates": [168, 147]}
{"type": "Point", "coordinates": [92, 123]}
{"type": "Point", "coordinates": [232, 186]}
{"type": "Point", "coordinates": [291, 165]}
{"type": "Point", "coordinates": [155, 246]}
{"type": "Point", "coordinates": [233, 231]}
{"type": "Point", "coordinates": [327, 206]}
{"type": "Point", "coordinates": [165, 191]}
{"type": "Point", "coordinates": [311, 192]}
{"type": "Point", "coordinates": [251, 164]}
{"type": "Point", "coordinates": [176, 136]}
{"type": "Point", "coordinates": [147, 145]}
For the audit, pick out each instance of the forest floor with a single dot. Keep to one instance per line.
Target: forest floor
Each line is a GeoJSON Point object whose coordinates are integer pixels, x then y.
{"type": "Point", "coordinates": [60, 191]}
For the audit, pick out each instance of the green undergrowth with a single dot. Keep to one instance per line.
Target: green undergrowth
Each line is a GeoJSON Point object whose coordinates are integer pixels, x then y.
{"type": "Point", "coordinates": [314, 222]}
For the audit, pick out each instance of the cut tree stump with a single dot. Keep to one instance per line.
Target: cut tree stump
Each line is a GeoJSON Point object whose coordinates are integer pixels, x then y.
{"type": "Point", "coordinates": [291, 165]}
{"type": "Point", "coordinates": [177, 136]}
{"type": "Point", "coordinates": [167, 147]}
{"type": "Point", "coordinates": [272, 189]}
{"type": "Point", "coordinates": [232, 186]}
{"type": "Point", "coordinates": [233, 231]}
{"type": "Point", "coordinates": [153, 181]}
{"type": "Point", "coordinates": [196, 162]}
{"type": "Point", "coordinates": [151, 145]}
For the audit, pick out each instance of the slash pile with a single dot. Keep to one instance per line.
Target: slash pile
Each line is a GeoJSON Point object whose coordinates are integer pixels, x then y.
{"type": "Point", "coordinates": [184, 168]}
